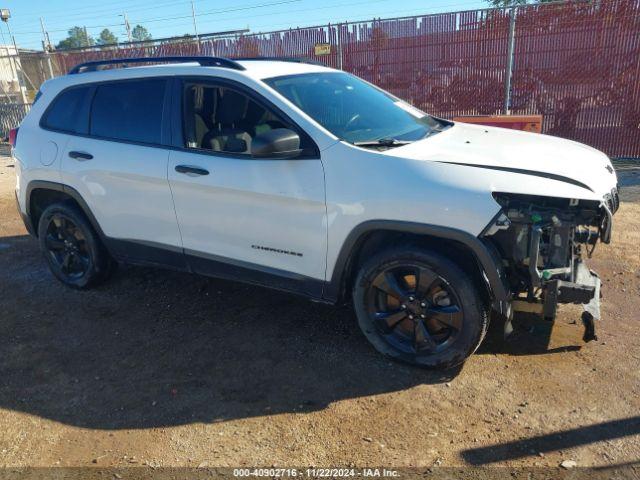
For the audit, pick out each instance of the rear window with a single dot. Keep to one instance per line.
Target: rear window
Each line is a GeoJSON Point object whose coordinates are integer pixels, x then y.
{"type": "Point", "coordinates": [130, 111]}
{"type": "Point", "coordinates": [64, 114]}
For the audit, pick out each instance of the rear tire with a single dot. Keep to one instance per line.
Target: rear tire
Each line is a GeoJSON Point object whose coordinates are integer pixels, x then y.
{"type": "Point", "coordinates": [72, 248]}
{"type": "Point", "coordinates": [419, 307]}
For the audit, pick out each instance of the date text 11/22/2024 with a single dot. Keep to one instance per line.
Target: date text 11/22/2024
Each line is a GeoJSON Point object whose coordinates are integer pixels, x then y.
{"type": "Point", "coordinates": [315, 472]}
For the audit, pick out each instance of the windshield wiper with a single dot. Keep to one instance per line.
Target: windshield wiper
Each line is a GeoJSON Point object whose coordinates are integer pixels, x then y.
{"type": "Point", "coordinates": [382, 142]}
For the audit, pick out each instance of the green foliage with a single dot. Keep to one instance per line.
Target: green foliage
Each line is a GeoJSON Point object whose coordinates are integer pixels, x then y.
{"type": "Point", "coordinates": [106, 37]}
{"type": "Point", "coordinates": [507, 3]}
{"type": "Point", "coordinates": [513, 3]}
{"type": "Point", "coordinates": [140, 33]}
{"type": "Point", "coordinates": [77, 37]}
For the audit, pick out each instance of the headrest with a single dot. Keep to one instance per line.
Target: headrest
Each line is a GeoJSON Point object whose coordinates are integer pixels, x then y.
{"type": "Point", "coordinates": [231, 107]}
{"type": "Point", "coordinates": [254, 113]}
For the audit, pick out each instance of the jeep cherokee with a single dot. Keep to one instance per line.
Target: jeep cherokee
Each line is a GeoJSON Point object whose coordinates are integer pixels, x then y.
{"type": "Point", "coordinates": [302, 178]}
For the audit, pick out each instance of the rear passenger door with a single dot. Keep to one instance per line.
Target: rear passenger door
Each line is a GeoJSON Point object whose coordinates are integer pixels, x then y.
{"type": "Point", "coordinates": [260, 220]}
{"type": "Point", "coordinates": [118, 164]}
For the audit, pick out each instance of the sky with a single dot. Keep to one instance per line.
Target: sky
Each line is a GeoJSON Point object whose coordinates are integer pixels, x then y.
{"type": "Point", "coordinates": [165, 18]}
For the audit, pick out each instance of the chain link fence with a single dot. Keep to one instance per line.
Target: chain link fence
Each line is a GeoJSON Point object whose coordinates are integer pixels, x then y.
{"type": "Point", "coordinates": [575, 63]}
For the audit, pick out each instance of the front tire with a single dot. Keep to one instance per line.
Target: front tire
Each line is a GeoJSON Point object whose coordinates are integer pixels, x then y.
{"type": "Point", "coordinates": [419, 307]}
{"type": "Point", "coordinates": [72, 248]}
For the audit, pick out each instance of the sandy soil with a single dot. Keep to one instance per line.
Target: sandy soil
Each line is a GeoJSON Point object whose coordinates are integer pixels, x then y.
{"type": "Point", "coordinates": [166, 369]}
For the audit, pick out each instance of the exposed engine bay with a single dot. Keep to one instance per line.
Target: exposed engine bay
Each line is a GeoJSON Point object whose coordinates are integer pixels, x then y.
{"type": "Point", "coordinates": [542, 242]}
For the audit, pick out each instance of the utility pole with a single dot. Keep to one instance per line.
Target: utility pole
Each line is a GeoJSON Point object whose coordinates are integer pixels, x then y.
{"type": "Point", "coordinates": [195, 26]}
{"type": "Point", "coordinates": [86, 37]}
{"type": "Point", "coordinates": [127, 26]}
{"type": "Point", "coordinates": [46, 43]}
{"type": "Point", "coordinates": [509, 69]}
{"type": "Point", "coordinates": [46, 40]}
{"type": "Point", "coordinates": [44, 35]}
{"type": "Point", "coordinates": [340, 46]}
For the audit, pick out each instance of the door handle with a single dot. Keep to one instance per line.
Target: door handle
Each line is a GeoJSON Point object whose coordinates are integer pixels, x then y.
{"type": "Point", "coordinates": [80, 155]}
{"type": "Point", "coordinates": [191, 170]}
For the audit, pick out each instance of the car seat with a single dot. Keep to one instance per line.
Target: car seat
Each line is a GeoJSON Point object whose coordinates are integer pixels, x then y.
{"type": "Point", "coordinates": [227, 134]}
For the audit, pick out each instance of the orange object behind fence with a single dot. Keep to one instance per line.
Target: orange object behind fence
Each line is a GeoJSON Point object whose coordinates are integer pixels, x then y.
{"type": "Point", "coordinates": [528, 123]}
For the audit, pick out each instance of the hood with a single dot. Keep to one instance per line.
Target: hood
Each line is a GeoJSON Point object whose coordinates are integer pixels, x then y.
{"type": "Point", "coordinates": [514, 151]}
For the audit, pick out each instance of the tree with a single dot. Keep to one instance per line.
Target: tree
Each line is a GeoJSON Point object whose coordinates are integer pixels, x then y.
{"type": "Point", "coordinates": [186, 38]}
{"type": "Point", "coordinates": [507, 3]}
{"type": "Point", "coordinates": [106, 37]}
{"type": "Point", "coordinates": [140, 33]}
{"type": "Point", "coordinates": [77, 38]}
{"type": "Point", "coordinates": [513, 3]}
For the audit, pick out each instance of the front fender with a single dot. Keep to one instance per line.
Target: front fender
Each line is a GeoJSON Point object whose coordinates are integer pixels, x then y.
{"type": "Point", "coordinates": [487, 258]}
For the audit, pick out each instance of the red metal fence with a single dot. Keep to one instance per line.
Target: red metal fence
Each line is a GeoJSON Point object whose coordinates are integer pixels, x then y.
{"type": "Point", "coordinates": [577, 63]}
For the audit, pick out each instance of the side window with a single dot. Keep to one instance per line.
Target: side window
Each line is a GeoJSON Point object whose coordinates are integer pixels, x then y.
{"type": "Point", "coordinates": [129, 110]}
{"type": "Point", "coordinates": [221, 119]}
{"type": "Point", "coordinates": [64, 113]}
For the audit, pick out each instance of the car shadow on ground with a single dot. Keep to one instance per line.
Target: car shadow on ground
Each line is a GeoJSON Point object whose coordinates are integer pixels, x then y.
{"type": "Point", "coordinates": [531, 336]}
{"type": "Point", "coordinates": [552, 442]}
{"type": "Point", "coordinates": [154, 348]}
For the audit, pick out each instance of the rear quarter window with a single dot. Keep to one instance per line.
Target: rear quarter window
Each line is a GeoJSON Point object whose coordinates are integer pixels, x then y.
{"type": "Point", "coordinates": [129, 111]}
{"type": "Point", "coordinates": [64, 113]}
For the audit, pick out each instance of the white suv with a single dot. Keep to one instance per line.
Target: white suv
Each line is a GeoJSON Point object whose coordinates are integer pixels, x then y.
{"type": "Point", "coordinates": [302, 178]}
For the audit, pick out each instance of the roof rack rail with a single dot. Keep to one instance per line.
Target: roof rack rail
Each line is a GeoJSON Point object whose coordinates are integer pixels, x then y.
{"type": "Point", "coordinates": [283, 59]}
{"type": "Point", "coordinates": [203, 61]}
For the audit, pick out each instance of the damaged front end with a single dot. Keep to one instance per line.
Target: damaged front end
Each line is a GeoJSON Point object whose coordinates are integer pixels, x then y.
{"type": "Point", "coordinates": [542, 242]}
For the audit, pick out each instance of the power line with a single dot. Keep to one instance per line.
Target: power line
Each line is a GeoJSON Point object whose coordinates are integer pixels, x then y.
{"type": "Point", "coordinates": [326, 7]}
{"type": "Point", "coordinates": [221, 11]}
{"type": "Point", "coordinates": [101, 13]}
{"type": "Point", "coordinates": [215, 12]}
{"type": "Point", "coordinates": [98, 4]}
{"type": "Point", "coordinates": [173, 17]}
{"type": "Point", "coordinates": [333, 20]}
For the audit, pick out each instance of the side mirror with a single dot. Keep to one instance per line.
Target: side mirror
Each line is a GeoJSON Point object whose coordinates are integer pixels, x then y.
{"type": "Point", "coordinates": [276, 143]}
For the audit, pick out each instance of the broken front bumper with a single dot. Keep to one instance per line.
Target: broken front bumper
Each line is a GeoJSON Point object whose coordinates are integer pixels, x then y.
{"type": "Point", "coordinates": [584, 291]}
{"type": "Point", "coordinates": [542, 242]}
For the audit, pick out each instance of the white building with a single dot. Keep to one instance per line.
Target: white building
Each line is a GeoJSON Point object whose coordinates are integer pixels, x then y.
{"type": "Point", "coordinates": [12, 89]}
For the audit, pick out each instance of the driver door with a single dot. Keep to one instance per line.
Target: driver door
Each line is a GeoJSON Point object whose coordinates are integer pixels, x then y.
{"type": "Point", "coordinates": [258, 220]}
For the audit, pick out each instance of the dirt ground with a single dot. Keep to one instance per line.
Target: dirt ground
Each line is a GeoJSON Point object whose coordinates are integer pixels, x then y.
{"type": "Point", "coordinates": [168, 369]}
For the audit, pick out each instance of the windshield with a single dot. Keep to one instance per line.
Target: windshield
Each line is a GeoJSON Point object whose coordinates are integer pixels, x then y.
{"type": "Point", "coordinates": [354, 110]}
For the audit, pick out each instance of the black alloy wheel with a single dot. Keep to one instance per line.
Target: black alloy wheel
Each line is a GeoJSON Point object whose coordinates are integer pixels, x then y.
{"type": "Point", "coordinates": [72, 248]}
{"type": "Point", "coordinates": [415, 309]}
{"type": "Point", "coordinates": [67, 247]}
{"type": "Point", "coordinates": [419, 307]}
